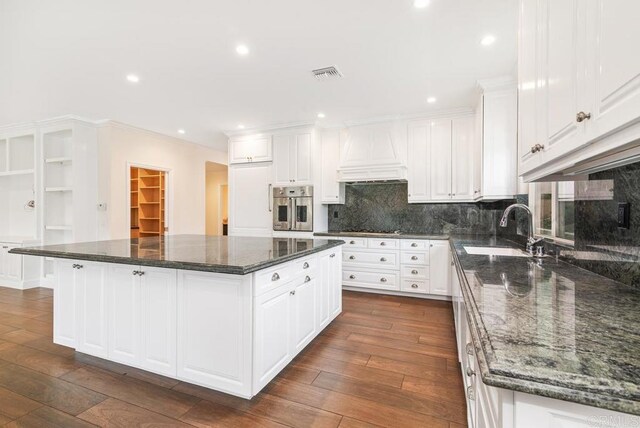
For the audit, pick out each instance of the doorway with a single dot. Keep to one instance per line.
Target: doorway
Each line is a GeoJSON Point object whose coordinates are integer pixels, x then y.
{"type": "Point", "coordinates": [217, 199]}
{"type": "Point", "coordinates": [147, 202]}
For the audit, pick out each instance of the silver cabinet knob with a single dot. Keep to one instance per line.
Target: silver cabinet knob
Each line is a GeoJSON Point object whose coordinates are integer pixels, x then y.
{"type": "Point", "coordinates": [352, 277]}
{"type": "Point", "coordinates": [332, 255]}
{"type": "Point", "coordinates": [76, 266]}
{"type": "Point", "coordinates": [537, 148]}
{"type": "Point", "coordinates": [476, 192]}
{"type": "Point", "coordinates": [469, 348]}
{"type": "Point", "coordinates": [307, 278]}
{"type": "Point", "coordinates": [470, 394]}
{"type": "Point", "coordinates": [383, 279]}
{"type": "Point", "coordinates": [382, 244]}
{"type": "Point", "coordinates": [430, 245]}
{"type": "Point", "coordinates": [414, 257]}
{"type": "Point", "coordinates": [352, 242]}
{"type": "Point", "coordinates": [275, 277]}
{"type": "Point", "coordinates": [414, 272]}
{"type": "Point", "coordinates": [414, 285]}
{"type": "Point", "coordinates": [305, 265]}
{"type": "Point", "coordinates": [292, 292]}
{"type": "Point", "coordinates": [414, 244]}
{"type": "Point", "coordinates": [352, 257]}
{"type": "Point", "coordinates": [470, 372]}
{"type": "Point", "coordinates": [383, 259]}
{"type": "Point", "coordinates": [582, 116]}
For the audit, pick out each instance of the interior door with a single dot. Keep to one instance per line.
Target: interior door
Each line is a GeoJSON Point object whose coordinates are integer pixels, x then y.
{"type": "Point", "coordinates": [440, 159]}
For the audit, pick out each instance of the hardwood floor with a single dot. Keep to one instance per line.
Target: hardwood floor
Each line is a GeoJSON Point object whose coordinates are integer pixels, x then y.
{"type": "Point", "coordinates": [385, 361]}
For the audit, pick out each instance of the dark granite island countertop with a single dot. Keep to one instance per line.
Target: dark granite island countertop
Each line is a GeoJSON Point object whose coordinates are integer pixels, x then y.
{"type": "Point", "coordinates": [546, 327]}
{"type": "Point", "coordinates": [219, 254]}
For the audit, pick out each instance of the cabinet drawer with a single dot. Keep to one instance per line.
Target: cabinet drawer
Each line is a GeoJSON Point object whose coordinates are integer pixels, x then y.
{"type": "Point", "coordinates": [414, 272]}
{"type": "Point", "coordinates": [387, 280]}
{"type": "Point", "coordinates": [415, 286]}
{"type": "Point", "coordinates": [382, 244]}
{"type": "Point", "coordinates": [303, 266]}
{"type": "Point", "coordinates": [377, 260]}
{"type": "Point", "coordinates": [354, 242]}
{"type": "Point", "coordinates": [414, 245]}
{"type": "Point", "coordinates": [415, 258]}
{"type": "Point", "coordinates": [269, 279]}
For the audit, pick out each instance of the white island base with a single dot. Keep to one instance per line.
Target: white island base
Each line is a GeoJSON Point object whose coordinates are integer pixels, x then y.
{"type": "Point", "coordinates": [230, 333]}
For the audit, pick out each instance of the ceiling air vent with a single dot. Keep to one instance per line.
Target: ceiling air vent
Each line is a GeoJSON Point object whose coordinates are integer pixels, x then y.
{"type": "Point", "coordinates": [326, 73]}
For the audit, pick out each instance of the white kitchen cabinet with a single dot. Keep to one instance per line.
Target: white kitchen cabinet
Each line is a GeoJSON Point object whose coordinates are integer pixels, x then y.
{"type": "Point", "coordinates": [90, 280]}
{"type": "Point", "coordinates": [214, 314]}
{"type": "Point", "coordinates": [332, 191]}
{"type": "Point", "coordinates": [250, 148]}
{"type": "Point", "coordinates": [142, 317]}
{"type": "Point", "coordinates": [439, 263]}
{"type": "Point", "coordinates": [304, 327]}
{"type": "Point", "coordinates": [576, 74]}
{"type": "Point", "coordinates": [250, 200]}
{"type": "Point", "coordinates": [292, 159]}
{"type": "Point", "coordinates": [439, 160]}
{"type": "Point", "coordinates": [64, 303]}
{"type": "Point", "coordinates": [463, 161]}
{"type": "Point", "coordinates": [10, 264]}
{"type": "Point", "coordinates": [418, 172]}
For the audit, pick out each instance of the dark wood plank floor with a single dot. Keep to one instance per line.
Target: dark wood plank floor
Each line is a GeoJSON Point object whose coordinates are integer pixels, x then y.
{"type": "Point", "coordinates": [386, 361]}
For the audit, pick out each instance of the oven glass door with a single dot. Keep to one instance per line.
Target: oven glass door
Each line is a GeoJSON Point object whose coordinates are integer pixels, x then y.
{"type": "Point", "coordinates": [303, 214]}
{"type": "Point", "coordinates": [282, 215]}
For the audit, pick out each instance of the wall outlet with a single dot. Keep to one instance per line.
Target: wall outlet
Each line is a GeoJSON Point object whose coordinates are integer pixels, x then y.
{"type": "Point", "coordinates": [624, 214]}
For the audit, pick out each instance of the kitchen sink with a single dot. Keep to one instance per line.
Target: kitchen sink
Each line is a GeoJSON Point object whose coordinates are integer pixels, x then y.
{"type": "Point", "coordinates": [496, 251]}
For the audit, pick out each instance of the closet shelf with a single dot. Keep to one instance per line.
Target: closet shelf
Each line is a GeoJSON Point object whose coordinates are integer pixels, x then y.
{"type": "Point", "coordinates": [61, 160]}
{"type": "Point", "coordinates": [58, 189]}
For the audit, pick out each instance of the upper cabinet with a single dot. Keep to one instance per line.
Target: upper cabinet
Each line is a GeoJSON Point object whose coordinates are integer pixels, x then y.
{"type": "Point", "coordinates": [292, 159]}
{"type": "Point", "coordinates": [332, 191]}
{"type": "Point", "coordinates": [579, 87]}
{"type": "Point", "coordinates": [373, 152]}
{"type": "Point", "coordinates": [250, 148]}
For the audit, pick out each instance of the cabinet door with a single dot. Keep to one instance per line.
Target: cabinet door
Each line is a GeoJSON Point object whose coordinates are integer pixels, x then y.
{"type": "Point", "coordinates": [302, 172]}
{"type": "Point", "coordinates": [418, 171]}
{"type": "Point", "coordinates": [14, 266]}
{"type": "Point", "coordinates": [561, 65]}
{"type": "Point", "coordinates": [4, 260]}
{"type": "Point", "coordinates": [91, 309]}
{"type": "Point", "coordinates": [332, 190]}
{"type": "Point", "coordinates": [440, 160]}
{"type": "Point", "coordinates": [439, 268]}
{"type": "Point", "coordinates": [250, 149]}
{"type": "Point", "coordinates": [462, 159]}
{"type": "Point", "coordinates": [324, 291]}
{"type": "Point", "coordinates": [250, 202]}
{"type": "Point", "coordinates": [303, 316]}
{"type": "Point", "coordinates": [335, 285]}
{"type": "Point", "coordinates": [64, 304]}
{"type": "Point", "coordinates": [158, 320]}
{"type": "Point", "coordinates": [283, 159]}
{"type": "Point", "coordinates": [273, 337]}
{"type": "Point", "coordinates": [124, 314]}
{"type": "Point", "coordinates": [612, 31]}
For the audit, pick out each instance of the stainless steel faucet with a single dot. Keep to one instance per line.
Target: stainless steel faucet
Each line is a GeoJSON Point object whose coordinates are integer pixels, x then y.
{"type": "Point", "coordinates": [531, 240]}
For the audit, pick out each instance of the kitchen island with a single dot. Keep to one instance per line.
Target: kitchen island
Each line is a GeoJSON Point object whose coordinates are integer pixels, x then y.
{"type": "Point", "coordinates": [226, 313]}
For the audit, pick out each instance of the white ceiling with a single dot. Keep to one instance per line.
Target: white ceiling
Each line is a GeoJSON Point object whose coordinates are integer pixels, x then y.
{"type": "Point", "coordinates": [71, 57]}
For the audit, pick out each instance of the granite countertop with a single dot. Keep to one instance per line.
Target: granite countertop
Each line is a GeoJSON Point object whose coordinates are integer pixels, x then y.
{"type": "Point", "coordinates": [399, 235]}
{"type": "Point", "coordinates": [549, 328]}
{"type": "Point", "coordinates": [221, 254]}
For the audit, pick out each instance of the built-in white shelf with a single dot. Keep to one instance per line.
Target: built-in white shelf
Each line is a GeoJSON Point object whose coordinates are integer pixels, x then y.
{"type": "Point", "coordinates": [14, 173]}
{"type": "Point", "coordinates": [58, 189]}
{"type": "Point", "coordinates": [62, 160]}
{"type": "Point", "coordinates": [58, 227]}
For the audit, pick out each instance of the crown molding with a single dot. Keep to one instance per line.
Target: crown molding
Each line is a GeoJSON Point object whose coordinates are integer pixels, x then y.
{"type": "Point", "coordinates": [267, 128]}
{"type": "Point", "coordinates": [497, 83]}
{"type": "Point", "coordinates": [444, 113]}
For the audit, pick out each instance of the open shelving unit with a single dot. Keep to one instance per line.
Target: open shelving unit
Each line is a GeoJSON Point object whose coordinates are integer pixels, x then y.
{"type": "Point", "coordinates": [147, 202]}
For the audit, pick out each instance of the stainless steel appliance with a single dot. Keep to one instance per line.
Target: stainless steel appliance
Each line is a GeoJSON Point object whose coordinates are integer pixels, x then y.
{"type": "Point", "coordinates": [293, 208]}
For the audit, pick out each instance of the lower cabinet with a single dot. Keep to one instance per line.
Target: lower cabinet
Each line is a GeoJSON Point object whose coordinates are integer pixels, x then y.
{"type": "Point", "coordinates": [439, 261]}
{"type": "Point", "coordinates": [18, 271]}
{"type": "Point", "coordinates": [90, 281]}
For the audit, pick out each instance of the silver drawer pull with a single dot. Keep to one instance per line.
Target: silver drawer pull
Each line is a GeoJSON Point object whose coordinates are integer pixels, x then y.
{"type": "Point", "coordinates": [382, 259]}
{"type": "Point", "coordinates": [307, 278]}
{"type": "Point", "coordinates": [414, 285]}
{"type": "Point", "coordinates": [293, 292]}
{"type": "Point", "coordinates": [382, 244]}
{"type": "Point", "coordinates": [469, 348]}
{"type": "Point", "coordinates": [383, 279]}
{"type": "Point", "coordinates": [75, 266]}
{"type": "Point", "coordinates": [5, 247]}
{"type": "Point", "coordinates": [470, 372]}
{"type": "Point", "coordinates": [470, 394]}
{"type": "Point", "coordinates": [140, 273]}
{"type": "Point", "coordinates": [431, 245]}
{"type": "Point", "coordinates": [135, 272]}
{"type": "Point", "coordinates": [414, 257]}
{"type": "Point", "coordinates": [414, 272]}
{"type": "Point", "coordinates": [352, 257]}
{"type": "Point", "coordinates": [352, 277]}
{"type": "Point", "coordinates": [352, 242]}
{"type": "Point", "coordinates": [275, 277]}
{"type": "Point", "coordinates": [413, 244]}
{"type": "Point", "coordinates": [332, 255]}
{"type": "Point", "coordinates": [305, 265]}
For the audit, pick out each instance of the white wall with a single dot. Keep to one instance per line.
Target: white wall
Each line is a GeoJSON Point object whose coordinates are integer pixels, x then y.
{"type": "Point", "coordinates": [120, 145]}
{"type": "Point", "coordinates": [214, 210]}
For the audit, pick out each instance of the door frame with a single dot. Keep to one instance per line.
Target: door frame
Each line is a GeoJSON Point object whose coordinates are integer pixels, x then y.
{"type": "Point", "coordinates": [168, 193]}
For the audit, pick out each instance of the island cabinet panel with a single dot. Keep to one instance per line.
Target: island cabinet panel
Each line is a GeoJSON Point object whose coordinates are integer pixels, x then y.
{"type": "Point", "coordinates": [304, 318]}
{"type": "Point", "coordinates": [64, 304]}
{"type": "Point", "coordinates": [124, 314]}
{"type": "Point", "coordinates": [214, 331]}
{"type": "Point", "coordinates": [91, 308]}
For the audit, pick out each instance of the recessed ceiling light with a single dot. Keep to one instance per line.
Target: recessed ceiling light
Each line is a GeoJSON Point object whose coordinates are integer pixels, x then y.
{"type": "Point", "coordinates": [240, 126]}
{"type": "Point", "coordinates": [321, 116]}
{"type": "Point", "coordinates": [242, 50]}
{"type": "Point", "coordinates": [432, 100]}
{"type": "Point", "coordinates": [133, 78]}
{"type": "Point", "coordinates": [420, 4]}
{"type": "Point", "coordinates": [181, 131]}
{"type": "Point", "coordinates": [488, 40]}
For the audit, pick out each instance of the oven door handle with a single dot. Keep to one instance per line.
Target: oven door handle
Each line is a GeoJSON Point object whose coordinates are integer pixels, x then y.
{"type": "Point", "coordinates": [270, 196]}
{"type": "Point", "coordinates": [294, 213]}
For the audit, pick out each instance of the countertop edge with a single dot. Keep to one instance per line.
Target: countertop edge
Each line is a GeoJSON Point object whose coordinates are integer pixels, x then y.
{"type": "Point", "coordinates": [200, 267]}
{"type": "Point", "coordinates": [382, 235]}
{"type": "Point", "coordinates": [604, 401]}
